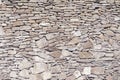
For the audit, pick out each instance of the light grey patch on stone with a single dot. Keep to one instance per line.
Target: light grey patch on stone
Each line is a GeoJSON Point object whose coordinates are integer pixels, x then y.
{"type": "Point", "coordinates": [2, 31]}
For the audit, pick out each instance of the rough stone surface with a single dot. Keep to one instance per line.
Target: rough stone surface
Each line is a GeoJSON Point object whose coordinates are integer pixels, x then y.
{"type": "Point", "coordinates": [59, 39]}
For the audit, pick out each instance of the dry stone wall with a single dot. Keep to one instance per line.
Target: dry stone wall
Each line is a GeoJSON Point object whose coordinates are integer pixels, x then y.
{"type": "Point", "coordinates": [59, 39]}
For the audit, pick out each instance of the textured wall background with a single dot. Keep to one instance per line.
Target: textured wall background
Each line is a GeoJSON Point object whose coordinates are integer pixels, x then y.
{"type": "Point", "coordinates": [60, 40]}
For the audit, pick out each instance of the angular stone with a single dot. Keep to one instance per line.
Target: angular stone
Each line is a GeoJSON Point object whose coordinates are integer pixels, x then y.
{"type": "Point", "coordinates": [77, 74]}
{"type": "Point", "coordinates": [56, 54]}
{"type": "Point", "coordinates": [39, 67]}
{"type": "Point", "coordinates": [24, 64]}
{"type": "Point", "coordinates": [97, 70]}
{"type": "Point", "coordinates": [87, 70]}
{"type": "Point", "coordinates": [116, 18]}
{"type": "Point", "coordinates": [87, 45]}
{"type": "Point", "coordinates": [25, 27]}
{"type": "Point", "coordinates": [76, 33]}
{"type": "Point", "coordinates": [46, 75]}
{"type": "Point", "coordinates": [2, 31]}
{"type": "Point", "coordinates": [110, 33]}
{"type": "Point", "coordinates": [24, 73]}
{"type": "Point", "coordinates": [12, 52]}
{"type": "Point", "coordinates": [13, 74]}
{"type": "Point", "coordinates": [109, 77]}
{"type": "Point", "coordinates": [65, 53]}
{"type": "Point", "coordinates": [85, 55]}
{"type": "Point", "coordinates": [50, 36]}
{"type": "Point", "coordinates": [75, 40]}
{"type": "Point", "coordinates": [42, 43]}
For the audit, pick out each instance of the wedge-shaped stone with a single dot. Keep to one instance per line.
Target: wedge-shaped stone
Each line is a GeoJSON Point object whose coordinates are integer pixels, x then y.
{"type": "Point", "coordinates": [87, 45]}
{"type": "Point", "coordinates": [56, 54]}
{"type": "Point", "coordinates": [74, 41]}
{"type": "Point", "coordinates": [42, 43]}
{"type": "Point", "coordinates": [85, 55]}
{"type": "Point", "coordinates": [24, 73]}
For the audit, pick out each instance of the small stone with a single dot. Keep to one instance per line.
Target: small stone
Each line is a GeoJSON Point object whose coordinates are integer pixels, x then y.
{"type": "Point", "coordinates": [76, 33]}
{"type": "Point", "coordinates": [24, 73]}
{"type": "Point", "coordinates": [87, 45]}
{"type": "Point", "coordinates": [13, 74]}
{"type": "Point", "coordinates": [42, 43]}
{"type": "Point", "coordinates": [85, 55]}
{"type": "Point", "coordinates": [75, 40]}
{"type": "Point", "coordinates": [98, 47]}
{"type": "Point", "coordinates": [77, 74]}
{"type": "Point", "coordinates": [25, 27]}
{"type": "Point", "coordinates": [25, 64]}
{"type": "Point", "coordinates": [50, 36]}
{"type": "Point", "coordinates": [39, 67]}
{"type": "Point", "coordinates": [74, 20]}
{"type": "Point", "coordinates": [2, 31]}
{"type": "Point", "coordinates": [56, 54]}
{"type": "Point", "coordinates": [46, 75]}
{"type": "Point", "coordinates": [44, 24]}
{"type": "Point", "coordinates": [70, 78]}
{"type": "Point", "coordinates": [97, 70]}
{"type": "Point", "coordinates": [65, 53]}
{"type": "Point", "coordinates": [12, 52]}
{"type": "Point", "coordinates": [109, 77]}
{"type": "Point", "coordinates": [87, 70]}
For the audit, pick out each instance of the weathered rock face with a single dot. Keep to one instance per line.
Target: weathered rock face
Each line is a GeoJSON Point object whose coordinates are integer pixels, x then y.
{"type": "Point", "coordinates": [59, 39]}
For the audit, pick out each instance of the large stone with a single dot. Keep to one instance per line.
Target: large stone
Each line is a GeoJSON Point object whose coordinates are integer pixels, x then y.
{"type": "Point", "coordinates": [46, 75]}
{"type": "Point", "coordinates": [38, 68]}
{"type": "Point", "coordinates": [44, 24]}
{"type": "Point", "coordinates": [87, 45]}
{"type": "Point", "coordinates": [2, 31]}
{"type": "Point", "coordinates": [87, 70]}
{"type": "Point", "coordinates": [13, 74]}
{"type": "Point", "coordinates": [42, 43]}
{"type": "Point", "coordinates": [74, 40]}
{"type": "Point", "coordinates": [24, 73]}
{"type": "Point", "coordinates": [97, 70]}
{"type": "Point", "coordinates": [24, 64]}
{"type": "Point", "coordinates": [18, 23]}
{"type": "Point", "coordinates": [85, 55]}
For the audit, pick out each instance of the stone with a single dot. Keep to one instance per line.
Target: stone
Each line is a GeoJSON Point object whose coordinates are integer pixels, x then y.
{"type": "Point", "coordinates": [110, 33]}
{"type": "Point", "coordinates": [87, 45]}
{"type": "Point", "coordinates": [24, 64]}
{"type": "Point", "coordinates": [74, 20]}
{"type": "Point", "coordinates": [77, 74]}
{"type": "Point", "coordinates": [42, 43]}
{"type": "Point", "coordinates": [2, 31]}
{"type": "Point", "coordinates": [25, 28]}
{"type": "Point", "coordinates": [12, 52]}
{"type": "Point", "coordinates": [13, 74]}
{"type": "Point", "coordinates": [44, 24]}
{"type": "Point", "coordinates": [87, 70]}
{"type": "Point", "coordinates": [24, 73]}
{"type": "Point", "coordinates": [50, 36]}
{"type": "Point", "coordinates": [18, 23]}
{"type": "Point", "coordinates": [38, 68]}
{"type": "Point", "coordinates": [117, 18]}
{"type": "Point", "coordinates": [85, 55]}
{"type": "Point", "coordinates": [65, 53]}
{"type": "Point", "coordinates": [46, 75]}
{"type": "Point", "coordinates": [97, 70]}
{"type": "Point", "coordinates": [98, 47]}
{"type": "Point", "coordinates": [70, 78]}
{"type": "Point", "coordinates": [55, 54]}
{"type": "Point", "coordinates": [74, 41]}
{"type": "Point", "coordinates": [76, 33]}
{"type": "Point", "coordinates": [109, 77]}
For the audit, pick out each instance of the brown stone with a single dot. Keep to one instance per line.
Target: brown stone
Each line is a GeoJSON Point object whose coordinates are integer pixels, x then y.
{"type": "Point", "coordinates": [97, 70]}
{"type": "Point", "coordinates": [56, 54]}
{"type": "Point", "coordinates": [17, 23]}
{"type": "Point", "coordinates": [85, 55]}
{"type": "Point", "coordinates": [109, 77]}
{"type": "Point", "coordinates": [75, 40]}
{"type": "Point", "coordinates": [88, 45]}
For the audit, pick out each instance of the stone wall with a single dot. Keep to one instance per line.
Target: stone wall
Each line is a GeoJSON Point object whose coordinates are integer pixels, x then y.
{"type": "Point", "coordinates": [60, 40]}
